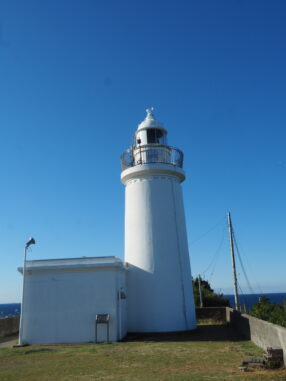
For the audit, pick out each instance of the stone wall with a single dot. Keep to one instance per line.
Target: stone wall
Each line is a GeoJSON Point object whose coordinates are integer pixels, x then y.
{"type": "Point", "coordinates": [9, 326]}
{"type": "Point", "coordinates": [214, 313]}
{"type": "Point", "coordinates": [262, 333]}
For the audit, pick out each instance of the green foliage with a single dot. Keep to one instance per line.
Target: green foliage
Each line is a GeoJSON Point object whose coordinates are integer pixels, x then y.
{"type": "Point", "coordinates": [272, 312]}
{"type": "Point", "coordinates": [210, 298]}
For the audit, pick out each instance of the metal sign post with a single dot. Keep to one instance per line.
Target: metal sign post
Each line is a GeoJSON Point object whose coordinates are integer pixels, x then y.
{"type": "Point", "coordinates": [102, 319]}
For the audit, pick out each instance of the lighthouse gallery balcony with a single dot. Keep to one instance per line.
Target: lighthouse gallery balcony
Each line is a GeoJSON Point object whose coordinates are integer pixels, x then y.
{"type": "Point", "coordinates": [151, 154]}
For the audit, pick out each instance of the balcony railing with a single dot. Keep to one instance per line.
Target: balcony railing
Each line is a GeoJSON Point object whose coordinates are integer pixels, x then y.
{"type": "Point", "coordinates": [150, 154]}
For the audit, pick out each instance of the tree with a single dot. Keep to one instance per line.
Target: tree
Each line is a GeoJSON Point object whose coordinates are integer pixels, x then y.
{"type": "Point", "coordinates": [210, 298]}
{"type": "Point", "coordinates": [272, 312]}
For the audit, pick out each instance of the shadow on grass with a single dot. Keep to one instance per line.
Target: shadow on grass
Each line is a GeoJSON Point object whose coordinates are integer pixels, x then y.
{"type": "Point", "coordinates": [215, 332]}
{"type": "Point", "coordinates": [39, 350]}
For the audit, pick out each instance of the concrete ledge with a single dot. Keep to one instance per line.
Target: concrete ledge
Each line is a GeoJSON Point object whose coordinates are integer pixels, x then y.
{"type": "Point", "coordinates": [262, 333]}
{"type": "Point", "coordinates": [214, 313]}
{"type": "Point", "coordinates": [9, 326]}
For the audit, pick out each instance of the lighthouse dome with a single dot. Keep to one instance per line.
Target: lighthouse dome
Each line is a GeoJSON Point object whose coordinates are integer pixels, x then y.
{"type": "Point", "coordinates": [150, 131]}
{"type": "Point", "coordinates": [150, 121]}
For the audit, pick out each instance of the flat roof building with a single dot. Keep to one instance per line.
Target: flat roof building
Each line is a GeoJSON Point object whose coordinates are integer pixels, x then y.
{"type": "Point", "coordinates": [63, 297]}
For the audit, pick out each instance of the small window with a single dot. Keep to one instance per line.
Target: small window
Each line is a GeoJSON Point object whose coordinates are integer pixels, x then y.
{"type": "Point", "coordinates": [155, 136]}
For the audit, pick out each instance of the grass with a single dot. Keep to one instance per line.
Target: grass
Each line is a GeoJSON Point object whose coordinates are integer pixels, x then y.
{"type": "Point", "coordinates": [210, 353]}
{"type": "Point", "coordinates": [210, 322]}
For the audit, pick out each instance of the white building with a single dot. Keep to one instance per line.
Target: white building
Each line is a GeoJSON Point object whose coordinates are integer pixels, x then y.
{"type": "Point", "coordinates": [63, 297]}
{"type": "Point", "coordinates": [98, 299]}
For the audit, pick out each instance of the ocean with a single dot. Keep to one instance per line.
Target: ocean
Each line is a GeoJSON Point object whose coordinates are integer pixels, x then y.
{"type": "Point", "coordinates": [13, 309]}
{"type": "Point", "coordinates": [249, 299]}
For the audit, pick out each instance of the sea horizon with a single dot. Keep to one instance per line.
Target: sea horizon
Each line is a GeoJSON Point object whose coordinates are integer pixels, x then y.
{"type": "Point", "coordinates": [247, 300]}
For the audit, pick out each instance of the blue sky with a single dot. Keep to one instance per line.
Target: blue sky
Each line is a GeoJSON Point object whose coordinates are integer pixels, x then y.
{"type": "Point", "coordinates": [75, 80]}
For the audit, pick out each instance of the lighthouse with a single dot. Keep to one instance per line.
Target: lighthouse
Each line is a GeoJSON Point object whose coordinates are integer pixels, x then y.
{"type": "Point", "coordinates": [95, 299]}
{"type": "Point", "coordinates": [159, 281]}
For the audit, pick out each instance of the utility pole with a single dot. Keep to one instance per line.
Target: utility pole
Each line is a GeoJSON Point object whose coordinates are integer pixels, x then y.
{"type": "Point", "coordinates": [200, 292]}
{"type": "Point", "coordinates": [236, 302]}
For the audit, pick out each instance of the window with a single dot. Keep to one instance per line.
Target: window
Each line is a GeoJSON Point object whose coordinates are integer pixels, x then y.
{"type": "Point", "coordinates": [155, 136]}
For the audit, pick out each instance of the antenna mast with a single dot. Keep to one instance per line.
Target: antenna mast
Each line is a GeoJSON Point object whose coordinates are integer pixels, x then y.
{"type": "Point", "coordinates": [233, 261]}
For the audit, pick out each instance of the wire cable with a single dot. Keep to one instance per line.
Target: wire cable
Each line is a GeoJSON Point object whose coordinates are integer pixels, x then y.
{"type": "Point", "coordinates": [216, 255]}
{"type": "Point", "coordinates": [206, 233]}
{"type": "Point", "coordinates": [217, 260]}
{"type": "Point", "coordinates": [242, 266]}
{"type": "Point", "coordinates": [258, 286]}
{"type": "Point", "coordinates": [241, 296]}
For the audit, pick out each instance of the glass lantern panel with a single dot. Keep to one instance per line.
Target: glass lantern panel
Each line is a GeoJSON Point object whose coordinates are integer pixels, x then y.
{"type": "Point", "coordinates": [156, 136]}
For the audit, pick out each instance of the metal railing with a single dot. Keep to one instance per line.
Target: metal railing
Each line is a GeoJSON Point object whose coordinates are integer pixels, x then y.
{"type": "Point", "coordinates": [148, 154]}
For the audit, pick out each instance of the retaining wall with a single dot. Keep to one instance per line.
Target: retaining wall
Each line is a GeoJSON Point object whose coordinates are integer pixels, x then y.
{"type": "Point", "coordinates": [214, 313]}
{"type": "Point", "coordinates": [9, 326]}
{"type": "Point", "coordinates": [262, 333]}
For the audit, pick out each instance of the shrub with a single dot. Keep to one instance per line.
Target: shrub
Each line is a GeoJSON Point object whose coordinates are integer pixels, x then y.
{"type": "Point", "coordinates": [272, 312]}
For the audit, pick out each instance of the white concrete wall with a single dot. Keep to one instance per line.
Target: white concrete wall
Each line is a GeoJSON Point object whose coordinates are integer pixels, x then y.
{"type": "Point", "coordinates": [160, 296]}
{"type": "Point", "coordinates": [60, 305]}
{"type": "Point", "coordinates": [121, 305]}
{"type": "Point", "coordinates": [263, 333]}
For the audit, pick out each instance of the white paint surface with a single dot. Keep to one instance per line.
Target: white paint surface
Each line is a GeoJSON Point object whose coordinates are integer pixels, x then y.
{"type": "Point", "coordinates": [160, 294]}
{"type": "Point", "coordinates": [62, 298]}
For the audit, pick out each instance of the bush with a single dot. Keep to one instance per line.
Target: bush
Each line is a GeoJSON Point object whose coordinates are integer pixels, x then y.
{"type": "Point", "coordinates": [272, 312]}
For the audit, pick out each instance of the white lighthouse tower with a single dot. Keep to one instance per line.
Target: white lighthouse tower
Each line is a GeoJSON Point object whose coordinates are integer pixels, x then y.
{"type": "Point", "coordinates": [159, 282]}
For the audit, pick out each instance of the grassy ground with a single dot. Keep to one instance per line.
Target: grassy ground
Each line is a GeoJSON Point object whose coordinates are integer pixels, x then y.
{"type": "Point", "coordinates": [210, 353]}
